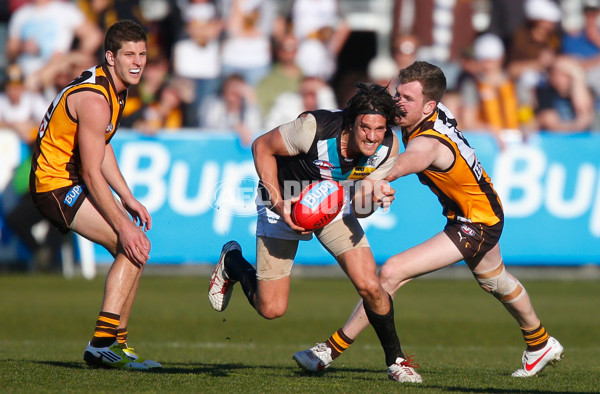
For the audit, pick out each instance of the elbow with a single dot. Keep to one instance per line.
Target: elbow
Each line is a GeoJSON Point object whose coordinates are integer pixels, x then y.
{"type": "Point", "coordinates": [256, 146]}
{"type": "Point", "coordinates": [88, 176]}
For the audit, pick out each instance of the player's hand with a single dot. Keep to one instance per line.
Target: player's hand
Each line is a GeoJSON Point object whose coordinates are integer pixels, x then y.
{"type": "Point", "coordinates": [383, 194]}
{"type": "Point", "coordinates": [139, 214]}
{"type": "Point", "coordinates": [135, 243]}
{"type": "Point", "coordinates": [284, 209]}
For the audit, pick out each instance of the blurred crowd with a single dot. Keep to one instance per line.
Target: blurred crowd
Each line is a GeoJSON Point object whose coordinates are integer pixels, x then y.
{"type": "Point", "coordinates": [514, 67]}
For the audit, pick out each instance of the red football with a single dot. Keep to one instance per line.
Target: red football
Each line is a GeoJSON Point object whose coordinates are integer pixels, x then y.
{"type": "Point", "coordinates": [320, 202]}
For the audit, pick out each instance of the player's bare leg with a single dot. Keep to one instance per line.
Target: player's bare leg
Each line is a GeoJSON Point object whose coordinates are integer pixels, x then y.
{"type": "Point", "coordinates": [359, 265]}
{"type": "Point", "coordinates": [266, 290]}
{"type": "Point", "coordinates": [542, 349]}
{"type": "Point", "coordinates": [431, 255]}
{"type": "Point", "coordinates": [122, 280]}
{"type": "Point", "coordinates": [272, 297]}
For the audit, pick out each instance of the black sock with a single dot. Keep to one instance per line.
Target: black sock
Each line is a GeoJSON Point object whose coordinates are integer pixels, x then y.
{"type": "Point", "coordinates": [386, 332]}
{"type": "Point", "coordinates": [238, 269]}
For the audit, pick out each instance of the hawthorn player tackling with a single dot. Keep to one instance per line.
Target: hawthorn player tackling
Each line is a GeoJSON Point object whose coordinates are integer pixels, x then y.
{"type": "Point", "coordinates": [351, 145]}
{"type": "Point", "coordinates": [443, 160]}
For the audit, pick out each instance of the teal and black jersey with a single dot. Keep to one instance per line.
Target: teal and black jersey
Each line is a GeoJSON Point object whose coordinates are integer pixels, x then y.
{"type": "Point", "coordinates": [324, 160]}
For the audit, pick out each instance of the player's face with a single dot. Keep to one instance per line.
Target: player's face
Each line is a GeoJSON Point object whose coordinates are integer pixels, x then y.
{"type": "Point", "coordinates": [411, 103]}
{"type": "Point", "coordinates": [129, 63]}
{"type": "Point", "coordinates": [368, 133]}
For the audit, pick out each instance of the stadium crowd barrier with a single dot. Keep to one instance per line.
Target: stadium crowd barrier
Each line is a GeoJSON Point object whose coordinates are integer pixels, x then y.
{"type": "Point", "coordinates": [200, 188]}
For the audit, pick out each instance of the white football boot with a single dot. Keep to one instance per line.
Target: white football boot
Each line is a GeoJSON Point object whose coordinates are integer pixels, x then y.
{"type": "Point", "coordinates": [221, 287]}
{"type": "Point", "coordinates": [535, 362]}
{"type": "Point", "coordinates": [314, 359]}
{"type": "Point", "coordinates": [404, 371]}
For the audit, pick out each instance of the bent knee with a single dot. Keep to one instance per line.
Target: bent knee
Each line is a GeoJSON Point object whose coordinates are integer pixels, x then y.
{"type": "Point", "coordinates": [391, 278]}
{"type": "Point", "coordinates": [368, 289]}
{"type": "Point", "coordinates": [272, 310]}
{"type": "Point", "coordinates": [500, 284]}
{"type": "Point", "coordinates": [271, 313]}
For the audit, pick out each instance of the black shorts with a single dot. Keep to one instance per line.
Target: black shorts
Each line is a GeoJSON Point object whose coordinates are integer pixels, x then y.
{"type": "Point", "coordinates": [60, 206]}
{"type": "Point", "coordinates": [473, 240]}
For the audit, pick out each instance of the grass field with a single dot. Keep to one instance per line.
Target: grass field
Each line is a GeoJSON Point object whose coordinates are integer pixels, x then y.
{"type": "Point", "coordinates": [462, 338]}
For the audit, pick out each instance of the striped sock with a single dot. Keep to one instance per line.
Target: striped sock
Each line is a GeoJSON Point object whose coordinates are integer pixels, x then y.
{"type": "Point", "coordinates": [535, 338]}
{"type": "Point", "coordinates": [122, 336]}
{"type": "Point", "coordinates": [105, 333]}
{"type": "Point", "coordinates": [338, 342]}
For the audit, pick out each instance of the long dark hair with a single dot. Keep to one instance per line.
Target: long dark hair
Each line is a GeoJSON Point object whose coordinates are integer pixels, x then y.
{"type": "Point", "coordinates": [370, 99]}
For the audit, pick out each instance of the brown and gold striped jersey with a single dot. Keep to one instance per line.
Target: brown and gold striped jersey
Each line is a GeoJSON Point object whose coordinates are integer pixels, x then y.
{"type": "Point", "coordinates": [464, 190]}
{"type": "Point", "coordinates": [56, 162]}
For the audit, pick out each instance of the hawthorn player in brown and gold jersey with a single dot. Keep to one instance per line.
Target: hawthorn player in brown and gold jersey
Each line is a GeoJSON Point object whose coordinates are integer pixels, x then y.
{"type": "Point", "coordinates": [441, 157]}
{"type": "Point", "coordinates": [74, 172]}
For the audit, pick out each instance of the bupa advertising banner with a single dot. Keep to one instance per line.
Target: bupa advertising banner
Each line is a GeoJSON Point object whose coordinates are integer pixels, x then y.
{"type": "Point", "coordinates": [200, 189]}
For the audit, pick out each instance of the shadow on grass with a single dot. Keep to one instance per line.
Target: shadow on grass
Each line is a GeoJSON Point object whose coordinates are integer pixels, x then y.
{"type": "Point", "coordinates": [64, 364]}
{"type": "Point", "coordinates": [227, 369]}
{"type": "Point", "coordinates": [503, 390]}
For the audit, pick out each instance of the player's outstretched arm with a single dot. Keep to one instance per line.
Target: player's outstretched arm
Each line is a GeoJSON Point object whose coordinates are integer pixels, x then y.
{"type": "Point", "coordinates": [420, 153]}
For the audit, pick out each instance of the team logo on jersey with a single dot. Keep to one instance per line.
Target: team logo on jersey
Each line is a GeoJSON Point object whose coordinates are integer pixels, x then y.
{"type": "Point", "coordinates": [324, 165]}
{"type": "Point", "coordinates": [373, 160]}
{"type": "Point", "coordinates": [467, 230]}
{"type": "Point", "coordinates": [110, 128]}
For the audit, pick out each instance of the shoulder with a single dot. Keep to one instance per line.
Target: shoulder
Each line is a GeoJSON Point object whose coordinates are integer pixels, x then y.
{"type": "Point", "coordinates": [328, 120]}
{"type": "Point", "coordinates": [89, 102]}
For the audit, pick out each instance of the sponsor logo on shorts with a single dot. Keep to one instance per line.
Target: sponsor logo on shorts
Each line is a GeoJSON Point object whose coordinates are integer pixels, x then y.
{"type": "Point", "coordinates": [467, 230]}
{"type": "Point", "coordinates": [109, 128]}
{"type": "Point", "coordinates": [73, 195]}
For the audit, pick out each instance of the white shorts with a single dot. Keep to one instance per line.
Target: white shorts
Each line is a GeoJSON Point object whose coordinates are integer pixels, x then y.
{"type": "Point", "coordinates": [274, 259]}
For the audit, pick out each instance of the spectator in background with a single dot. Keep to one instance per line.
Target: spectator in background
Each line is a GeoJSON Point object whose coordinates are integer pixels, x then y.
{"type": "Point", "coordinates": [506, 17]}
{"type": "Point", "coordinates": [584, 44]}
{"type": "Point", "coordinates": [565, 102]}
{"type": "Point", "coordinates": [165, 112]}
{"type": "Point", "coordinates": [442, 27]}
{"type": "Point", "coordinates": [21, 110]}
{"type": "Point", "coordinates": [41, 35]}
{"type": "Point", "coordinates": [235, 109]}
{"type": "Point", "coordinates": [321, 31]}
{"type": "Point", "coordinates": [383, 70]}
{"type": "Point", "coordinates": [285, 75]}
{"type": "Point", "coordinates": [404, 50]}
{"type": "Point", "coordinates": [314, 93]}
{"type": "Point", "coordinates": [488, 98]}
{"type": "Point", "coordinates": [156, 75]}
{"type": "Point", "coordinates": [39, 236]}
{"type": "Point", "coordinates": [534, 47]}
{"type": "Point", "coordinates": [247, 43]}
{"type": "Point", "coordinates": [105, 13]}
{"type": "Point", "coordinates": [196, 57]}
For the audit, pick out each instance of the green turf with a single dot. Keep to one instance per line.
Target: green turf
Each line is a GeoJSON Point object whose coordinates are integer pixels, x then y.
{"type": "Point", "coordinates": [463, 339]}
